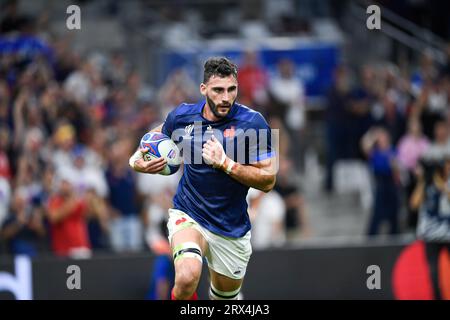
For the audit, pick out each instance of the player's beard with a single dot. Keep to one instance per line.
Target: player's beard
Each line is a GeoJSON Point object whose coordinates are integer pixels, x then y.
{"type": "Point", "coordinates": [213, 107]}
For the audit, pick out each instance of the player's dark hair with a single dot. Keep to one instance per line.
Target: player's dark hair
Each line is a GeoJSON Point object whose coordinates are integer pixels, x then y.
{"type": "Point", "coordinates": [219, 66]}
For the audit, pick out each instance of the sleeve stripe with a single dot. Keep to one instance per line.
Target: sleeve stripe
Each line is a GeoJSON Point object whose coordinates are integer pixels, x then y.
{"type": "Point", "coordinates": [265, 156]}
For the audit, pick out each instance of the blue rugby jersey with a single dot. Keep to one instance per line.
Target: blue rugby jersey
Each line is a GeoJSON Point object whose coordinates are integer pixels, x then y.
{"type": "Point", "coordinates": [208, 195]}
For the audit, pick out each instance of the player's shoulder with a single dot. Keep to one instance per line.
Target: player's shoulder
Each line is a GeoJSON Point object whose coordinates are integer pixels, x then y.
{"type": "Point", "coordinates": [185, 109]}
{"type": "Point", "coordinates": [183, 112]}
{"type": "Point", "coordinates": [249, 115]}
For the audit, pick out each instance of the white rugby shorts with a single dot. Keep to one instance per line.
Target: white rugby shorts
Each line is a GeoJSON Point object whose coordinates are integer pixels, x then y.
{"type": "Point", "coordinates": [224, 255]}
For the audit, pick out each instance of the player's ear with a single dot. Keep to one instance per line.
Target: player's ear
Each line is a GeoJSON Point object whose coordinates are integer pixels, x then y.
{"type": "Point", "coordinates": [203, 89]}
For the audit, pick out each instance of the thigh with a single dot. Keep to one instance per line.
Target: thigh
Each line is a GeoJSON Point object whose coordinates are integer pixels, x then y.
{"type": "Point", "coordinates": [224, 283]}
{"type": "Point", "coordinates": [228, 257]}
{"type": "Point", "coordinates": [188, 265]}
{"type": "Point", "coordinates": [189, 234]}
{"type": "Point", "coordinates": [183, 231]}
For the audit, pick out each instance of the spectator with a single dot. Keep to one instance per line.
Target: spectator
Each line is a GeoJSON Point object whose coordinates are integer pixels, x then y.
{"type": "Point", "coordinates": [126, 226]}
{"type": "Point", "coordinates": [158, 190]}
{"type": "Point", "coordinates": [177, 88]}
{"type": "Point", "coordinates": [432, 104]}
{"type": "Point", "coordinates": [266, 211]}
{"type": "Point", "coordinates": [139, 90]}
{"type": "Point", "coordinates": [427, 71]}
{"type": "Point", "coordinates": [360, 110]}
{"type": "Point", "coordinates": [376, 144]}
{"type": "Point", "coordinates": [41, 197]}
{"type": "Point", "coordinates": [23, 229]}
{"type": "Point", "coordinates": [86, 175]}
{"type": "Point", "coordinates": [253, 80]}
{"type": "Point", "coordinates": [65, 142]}
{"type": "Point", "coordinates": [295, 218]}
{"type": "Point", "coordinates": [391, 116]}
{"type": "Point", "coordinates": [78, 85]}
{"type": "Point", "coordinates": [50, 104]}
{"type": "Point", "coordinates": [117, 74]}
{"type": "Point", "coordinates": [97, 218]}
{"type": "Point", "coordinates": [410, 148]}
{"type": "Point", "coordinates": [67, 217]}
{"type": "Point", "coordinates": [431, 198]}
{"type": "Point", "coordinates": [441, 143]}
{"type": "Point", "coordinates": [338, 101]}
{"type": "Point", "coordinates": [96, 151]}
{"type": "Point", "coordinates": [287, 88]}
{"type": "Point", "coordinates": [163, 274]}
{"type": "Point", "coordinates": [30, 166]}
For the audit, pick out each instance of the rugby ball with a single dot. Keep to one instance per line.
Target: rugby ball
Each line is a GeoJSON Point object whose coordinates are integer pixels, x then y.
{"type": "Point", "coordinates": [159, 145]}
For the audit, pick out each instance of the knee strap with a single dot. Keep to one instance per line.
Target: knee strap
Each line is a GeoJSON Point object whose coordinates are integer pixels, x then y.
{"type": "Point", "coordinates": [216, 294]}
{"type": "Point", "coordinates": [187, 250]}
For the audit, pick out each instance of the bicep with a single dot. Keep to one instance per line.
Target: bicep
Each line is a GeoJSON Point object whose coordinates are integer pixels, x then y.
{"type": "Point", "coordinates": [259, 140]}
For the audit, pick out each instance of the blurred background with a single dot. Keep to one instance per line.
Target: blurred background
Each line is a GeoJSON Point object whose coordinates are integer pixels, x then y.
{"type": "Point", "coordinates": [74, 104]}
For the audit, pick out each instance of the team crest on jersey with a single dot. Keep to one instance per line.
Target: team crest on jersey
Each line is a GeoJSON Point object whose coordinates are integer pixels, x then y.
{"type": "Point", "coordinates": [229, 133]}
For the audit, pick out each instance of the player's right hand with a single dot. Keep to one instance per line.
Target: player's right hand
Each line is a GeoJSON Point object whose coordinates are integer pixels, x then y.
{"type": "Point", "coordinates": [153, 166]}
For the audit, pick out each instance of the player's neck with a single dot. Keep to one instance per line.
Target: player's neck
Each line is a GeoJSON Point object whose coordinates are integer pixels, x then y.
{"type": "Point", "coordinates": [208, 114]}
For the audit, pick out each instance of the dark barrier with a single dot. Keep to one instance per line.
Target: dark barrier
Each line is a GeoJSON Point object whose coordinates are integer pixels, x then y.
{"type": "Point", "coordinates": [326, 273]}
{"type": "Point", "coordinates": [307, 273]}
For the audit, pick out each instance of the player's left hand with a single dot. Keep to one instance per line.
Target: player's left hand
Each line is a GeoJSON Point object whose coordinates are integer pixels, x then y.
{"type": "Point", "coordinates": [213, 153]}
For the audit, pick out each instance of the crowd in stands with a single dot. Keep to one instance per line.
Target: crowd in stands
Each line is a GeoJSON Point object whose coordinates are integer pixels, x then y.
{"type": "Point", "coordinates": [392, 119]}
{"type": "Point", "coordinates": [68, 124]}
